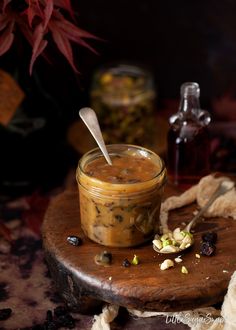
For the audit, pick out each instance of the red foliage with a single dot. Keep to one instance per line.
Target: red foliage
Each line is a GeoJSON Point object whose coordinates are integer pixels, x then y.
{"type": "Point", "coordinates": [36, 21]}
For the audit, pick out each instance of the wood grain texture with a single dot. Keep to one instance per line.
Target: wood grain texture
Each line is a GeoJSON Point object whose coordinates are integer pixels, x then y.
{"type": "Point", "coordinates": [84, 284]}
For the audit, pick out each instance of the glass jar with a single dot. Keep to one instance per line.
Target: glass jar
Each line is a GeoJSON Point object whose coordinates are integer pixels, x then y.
{"type": "Point", "coordinates": [123, 97]}
{"type": "Point", "coordinates": [120, 214]}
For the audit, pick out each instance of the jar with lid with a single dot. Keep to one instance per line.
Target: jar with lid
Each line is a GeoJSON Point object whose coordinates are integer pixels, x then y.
{"type": "Point", "coordinates": [188, 156]}
{"type": "Point", "coordinates": [123, 97]}
{"type": "Point", "coordinates": [115, 210]}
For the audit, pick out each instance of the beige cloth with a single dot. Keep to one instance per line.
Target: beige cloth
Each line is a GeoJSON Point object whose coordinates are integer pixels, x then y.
{"type": "Point", "coordinates": [223, 206]}
{"type": "Point", "coordinates": [204, 318]}
{"type": "Point", "coordinates": [102, 321]}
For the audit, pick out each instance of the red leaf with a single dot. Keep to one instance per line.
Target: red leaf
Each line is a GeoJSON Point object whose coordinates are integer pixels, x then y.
{"type": "Point", "coordinates": [63, 45]}
{"type": "Point", "coordinates": [72, 32]}
{"type": "Point", "coordinates": [5, 3]}
{"type": "Point", "coordinates": [33, 10]}
{"type": "Point", "coordinates": [39, 44]}
{"type": "Point", "coordinates": [65, 4]}
{"type": "Point", "coordinates": [47, 13]}
{"type": "Point", "coordinates": [26, 32]}
{"type": "Point", "coordinates": [83, 43]}
{"type": "Point", "coordinates": [3, 22]}
{"type": "Point", "coordinates": [72, 29]}
{"type": "Point", "coordinates": [6, 39]}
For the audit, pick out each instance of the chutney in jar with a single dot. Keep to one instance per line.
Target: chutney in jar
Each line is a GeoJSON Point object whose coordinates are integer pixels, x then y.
{"type": "Point", "coordinates": [120, 203]}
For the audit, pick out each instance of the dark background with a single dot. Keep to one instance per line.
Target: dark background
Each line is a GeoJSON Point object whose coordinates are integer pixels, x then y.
{"type": "Point", "coordinates": [177, 40]}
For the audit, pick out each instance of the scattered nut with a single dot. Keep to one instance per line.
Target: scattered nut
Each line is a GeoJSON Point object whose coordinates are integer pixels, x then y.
{"type": "Point", "coordinates": [184, 270]}
{"type": "Point", "coordinates": [197, 256]}
{"type": "Point", "coordinates": [169, 249]}
{"type": "Point", "coordinates": [178, 260]}
{"type": "Point", "coordinates": [172, 242]}
{"type": "Point", "coordinates": [167, 263]}
{"type": "Point", "coordinates": [157, 243]}
{"type": "Point", "coordinates": [104, 258]}
{"type": "Point", "coordinates": [135, 260]}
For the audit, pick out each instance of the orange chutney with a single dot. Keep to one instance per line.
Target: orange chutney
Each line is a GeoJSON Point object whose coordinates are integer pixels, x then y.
{"type": "Point", "coordinates": [120, 203]}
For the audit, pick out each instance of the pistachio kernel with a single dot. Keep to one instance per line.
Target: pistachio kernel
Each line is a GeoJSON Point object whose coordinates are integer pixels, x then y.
{"type": "Point", "coordinates": [104, 258]}
{"type": "Point", "coordinates": [135, 260]}
{"type": "Point", "coordinates": [184, 270]}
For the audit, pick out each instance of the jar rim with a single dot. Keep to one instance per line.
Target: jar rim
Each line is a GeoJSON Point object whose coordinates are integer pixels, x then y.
{"type": "Point", "coordinates": [97, 152]}
{"type": "Point", "coordinates": [121, 70]}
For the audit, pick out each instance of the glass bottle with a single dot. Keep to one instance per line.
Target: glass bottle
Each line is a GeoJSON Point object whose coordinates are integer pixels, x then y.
{"type": "Point", "coordinates": [188, 157]}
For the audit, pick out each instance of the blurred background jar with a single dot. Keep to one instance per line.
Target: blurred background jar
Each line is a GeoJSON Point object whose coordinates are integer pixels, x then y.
{"type": "Point", "coordinates": [123, 97]}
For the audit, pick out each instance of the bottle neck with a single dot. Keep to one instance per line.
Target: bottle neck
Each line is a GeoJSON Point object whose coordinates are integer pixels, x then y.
{"type": "Point", "coordinates": [189, 104]}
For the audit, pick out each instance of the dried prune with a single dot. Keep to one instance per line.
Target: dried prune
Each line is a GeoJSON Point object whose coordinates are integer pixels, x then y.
{"type": "Point", "coordinates": [210, 237]}
{"type": "Point", "coordinates": [207, 248]}
{"type": "Point", "coordinates": [5, 313]}
{"type": "Point", "coordinates": [74, 240]}
{"type": "Point", "coordinates": [126, 263]}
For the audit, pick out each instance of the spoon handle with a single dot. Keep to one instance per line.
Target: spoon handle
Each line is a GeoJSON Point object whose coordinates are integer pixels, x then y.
{"type": "Point", "coordinates": [89, 117]}
{"type": "Point", "coordinates": [221, 190]}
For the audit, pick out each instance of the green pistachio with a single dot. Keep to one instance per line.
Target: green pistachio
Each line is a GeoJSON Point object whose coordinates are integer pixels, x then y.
{"type": "Point", "coordinates": [135, 260]}
{"type": "Point", "coordinates": [186, 233]}
{"type": "Point", "coordinates": [167, 242]}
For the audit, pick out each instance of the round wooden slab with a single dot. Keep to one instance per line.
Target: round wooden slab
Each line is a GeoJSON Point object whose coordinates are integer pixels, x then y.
{"type": "Point", "coordinates": [145, 287]}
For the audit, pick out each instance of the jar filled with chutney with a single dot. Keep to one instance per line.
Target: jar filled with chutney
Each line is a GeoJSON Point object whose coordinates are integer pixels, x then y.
{"type": "Point", "coordinates": [120, 203]}
{"type": "Point", "coordinates": [123, 96]}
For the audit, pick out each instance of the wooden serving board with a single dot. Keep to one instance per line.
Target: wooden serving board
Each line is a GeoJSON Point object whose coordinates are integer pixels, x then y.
{"type": "Point", "coordinates": [85, 285]}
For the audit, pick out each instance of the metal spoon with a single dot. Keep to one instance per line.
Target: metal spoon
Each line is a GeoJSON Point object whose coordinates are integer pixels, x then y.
{"type": "Point", "coordinates": [89, 117]}
{"type": "Point", "coordinates": [223, 188]}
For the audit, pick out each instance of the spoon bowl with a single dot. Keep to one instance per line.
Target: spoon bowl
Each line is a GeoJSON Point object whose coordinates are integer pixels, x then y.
{"type": "Point", "coordinates": [187, 237]}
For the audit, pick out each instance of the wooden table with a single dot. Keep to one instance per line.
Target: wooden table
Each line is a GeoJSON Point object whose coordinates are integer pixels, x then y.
{"type": "Point", "coordinates": [85, 285]}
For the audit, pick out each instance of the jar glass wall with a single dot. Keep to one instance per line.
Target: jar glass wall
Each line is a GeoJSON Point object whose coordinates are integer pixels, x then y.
{"type": "Point", "coordinates": [121, 214]}
{"type": "Point", "coordinates": [123, 97]}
